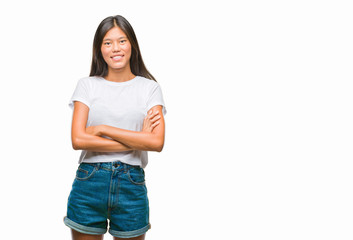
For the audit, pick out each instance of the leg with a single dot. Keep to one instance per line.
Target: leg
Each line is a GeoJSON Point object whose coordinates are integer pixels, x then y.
{"type": "Point", "coordinates": [81, 236]}
{"type": "Point", "coordinates": [142, 237]}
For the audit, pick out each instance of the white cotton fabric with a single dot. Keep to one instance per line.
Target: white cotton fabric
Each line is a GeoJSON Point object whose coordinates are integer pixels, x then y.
{"type": "Point", "coordinates": [118, 104]}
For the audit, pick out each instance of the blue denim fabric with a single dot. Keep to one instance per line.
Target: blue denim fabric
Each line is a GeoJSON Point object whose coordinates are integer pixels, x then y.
{"type": "Point", "coordinates": [109, 191]}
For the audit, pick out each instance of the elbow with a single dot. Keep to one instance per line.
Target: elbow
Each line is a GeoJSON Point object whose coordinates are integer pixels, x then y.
{"type": "Point", "coordinates": [76, 144]}
{"type": "Point", "coordinates": [158, 146]}
{"type": "Point", "coordinates": [75, 147]}
{"type": "Point", "coordinates": [157, 149]}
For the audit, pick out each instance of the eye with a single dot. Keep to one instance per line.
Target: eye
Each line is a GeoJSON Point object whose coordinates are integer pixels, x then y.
{"type": "Point", "coordinates": [122, 41]}
{"type": "Point", "coordinates": [107, 43]}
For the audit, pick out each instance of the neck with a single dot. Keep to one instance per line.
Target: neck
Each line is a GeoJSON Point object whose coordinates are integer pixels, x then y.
{"type": "Point", "coordinates": [119, 75]}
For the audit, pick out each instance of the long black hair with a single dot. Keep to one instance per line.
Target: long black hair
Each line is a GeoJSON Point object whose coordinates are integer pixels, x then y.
{"type": "Point", "coordinates": [99, 67]}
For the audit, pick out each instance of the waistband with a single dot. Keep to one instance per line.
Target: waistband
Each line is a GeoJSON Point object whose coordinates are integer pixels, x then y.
{"type": "Point", "coordinates": [112, 165]}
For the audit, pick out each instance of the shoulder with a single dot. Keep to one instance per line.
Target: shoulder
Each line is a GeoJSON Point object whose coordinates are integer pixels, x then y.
{"type": "Point", "coordinates": [89, 82]}
{"type": "Point", "coordinates": [89, 79]}
{"type": "Point", "coordinates": [144, 80]}
{"type": "Point", "coordinates": [147, 83]}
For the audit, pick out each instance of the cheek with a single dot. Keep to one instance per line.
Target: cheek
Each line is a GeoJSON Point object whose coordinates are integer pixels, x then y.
{"type": "Point", "coordinates": [128, 56]}
{"type": "Point", "coordinates": [104, 53]}
{"type": "Point", "coordinates": [127, 50]}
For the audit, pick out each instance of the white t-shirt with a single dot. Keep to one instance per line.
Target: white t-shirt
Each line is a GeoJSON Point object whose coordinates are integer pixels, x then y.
{"type": "Point", "coordinates": [118, 104]}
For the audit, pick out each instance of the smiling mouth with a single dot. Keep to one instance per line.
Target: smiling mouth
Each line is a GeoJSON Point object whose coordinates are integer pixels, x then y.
{"type": "Point", "coordinates": [116, 58]}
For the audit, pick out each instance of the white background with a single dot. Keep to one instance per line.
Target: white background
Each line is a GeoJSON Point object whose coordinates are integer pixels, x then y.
{"type": "Point", "coordinates": [259, 124]}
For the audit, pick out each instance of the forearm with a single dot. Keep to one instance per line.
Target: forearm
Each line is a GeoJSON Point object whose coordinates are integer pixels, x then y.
{"type": "Point", "coordinates": [97, 144]}
{"type": "Point", "coordinates": [146, 141]}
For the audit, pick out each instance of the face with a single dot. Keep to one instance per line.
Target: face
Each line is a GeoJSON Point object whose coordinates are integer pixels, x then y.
{"type": "Point", "coordinates": [116, 49]}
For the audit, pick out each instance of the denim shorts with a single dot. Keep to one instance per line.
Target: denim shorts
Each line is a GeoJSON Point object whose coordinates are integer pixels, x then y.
{"type": "Point", "coordinates": [113, 193]}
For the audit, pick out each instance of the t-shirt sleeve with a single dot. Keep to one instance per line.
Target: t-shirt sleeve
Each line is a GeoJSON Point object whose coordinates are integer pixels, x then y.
{"type": "Point", "coordinates": [80, 94]}
{"type": "Point", "coordinates": [156, 98]}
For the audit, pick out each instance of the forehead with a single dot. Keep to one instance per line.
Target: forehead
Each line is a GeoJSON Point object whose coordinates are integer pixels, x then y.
{"type": "Point", "coordinates": [114, 33]}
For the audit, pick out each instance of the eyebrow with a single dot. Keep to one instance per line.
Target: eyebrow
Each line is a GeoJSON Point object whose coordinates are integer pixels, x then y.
{"type": "Point", "coordinates": [108, 39]}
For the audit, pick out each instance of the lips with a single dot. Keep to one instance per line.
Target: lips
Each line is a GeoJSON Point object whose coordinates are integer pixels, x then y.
{"type": "Point", "coordinates": [117, 57]}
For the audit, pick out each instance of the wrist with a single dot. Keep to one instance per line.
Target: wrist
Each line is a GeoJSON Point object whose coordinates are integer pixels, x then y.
{"type": "Point", "coordinates": [101, 130]}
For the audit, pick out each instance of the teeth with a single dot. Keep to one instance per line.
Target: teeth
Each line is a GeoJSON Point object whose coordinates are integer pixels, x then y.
{"type": "Point", "coordinates": [117, 57]}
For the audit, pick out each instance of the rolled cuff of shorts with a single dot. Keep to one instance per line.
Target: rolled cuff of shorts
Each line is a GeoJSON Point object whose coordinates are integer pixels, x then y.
{"type": "Point", "coordinates": [130, 234]}
{"type": "Point", "coordinates": [84, 229]}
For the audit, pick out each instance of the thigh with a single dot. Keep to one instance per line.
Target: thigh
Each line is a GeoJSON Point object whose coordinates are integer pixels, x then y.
{"type": "Point", "coordinates": [131, 213]}
{"type": "Point", "coordinates": [142, 237]}
{"type": "Point", "coordinates": [81, 236]}
{"type": "Point", "coordinates": [87, 208]}
{"type": "Point", "coordinates": [129, 218]}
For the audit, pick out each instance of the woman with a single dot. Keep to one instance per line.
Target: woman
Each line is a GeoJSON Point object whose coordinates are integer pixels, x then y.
{"type": "Point", "coordinates": [117, 117]}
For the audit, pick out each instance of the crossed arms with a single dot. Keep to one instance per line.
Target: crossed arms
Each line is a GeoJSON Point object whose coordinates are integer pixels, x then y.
{"type": "Point", "coordinates": [150, 138]}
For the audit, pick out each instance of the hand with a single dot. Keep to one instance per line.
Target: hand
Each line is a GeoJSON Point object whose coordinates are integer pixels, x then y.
{"type": "Point", "coordinates": [94, 130]}
{"type": "Point", "coordinates": [151, 121]}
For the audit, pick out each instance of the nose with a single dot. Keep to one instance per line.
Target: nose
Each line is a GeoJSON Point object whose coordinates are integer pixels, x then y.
{"type": "Point", "coordinates": [116, 47]}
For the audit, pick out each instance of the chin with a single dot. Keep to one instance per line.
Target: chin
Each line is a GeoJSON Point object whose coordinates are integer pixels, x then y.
{"type": "Point", "coordinates": [118, 66]}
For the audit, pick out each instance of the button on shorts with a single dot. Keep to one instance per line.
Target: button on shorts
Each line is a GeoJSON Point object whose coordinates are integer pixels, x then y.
{"type": "Point", "coordinates": [111, 194]}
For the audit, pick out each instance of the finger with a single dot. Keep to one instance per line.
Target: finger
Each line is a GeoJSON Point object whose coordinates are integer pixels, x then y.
{"type": "Point", "coordinates": [153, 114]}
{"type": "Point", "coordinates": [156, 118]}
{"type": "Point", "coordinates": [155, 124]}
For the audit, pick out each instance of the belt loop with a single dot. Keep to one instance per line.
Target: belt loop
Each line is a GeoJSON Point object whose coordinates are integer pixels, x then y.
{"type": "Point", "coordinates": [98, 165]}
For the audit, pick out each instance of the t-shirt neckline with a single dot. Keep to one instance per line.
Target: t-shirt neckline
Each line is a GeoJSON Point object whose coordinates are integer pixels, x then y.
{"type": "Point", "coordinates": [128, 82]}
